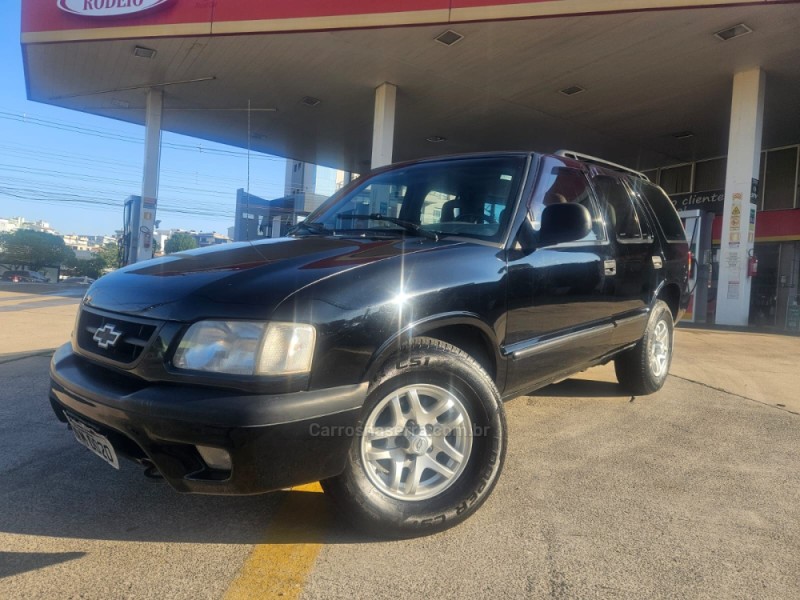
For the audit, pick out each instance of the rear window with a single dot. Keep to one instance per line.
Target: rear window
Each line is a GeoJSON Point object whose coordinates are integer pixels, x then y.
{"type": "Point", "coordinates": [665, 212]}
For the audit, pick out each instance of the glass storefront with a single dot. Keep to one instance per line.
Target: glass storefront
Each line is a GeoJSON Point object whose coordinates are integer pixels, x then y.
{"type": "Point", "coordinates": [764, 287]}
{"type": "Point", "coordinates": [775, 289]}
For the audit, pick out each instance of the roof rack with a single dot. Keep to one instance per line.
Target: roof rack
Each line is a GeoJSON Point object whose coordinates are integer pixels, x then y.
{"type": "Point", "coordinates": [599, 161]}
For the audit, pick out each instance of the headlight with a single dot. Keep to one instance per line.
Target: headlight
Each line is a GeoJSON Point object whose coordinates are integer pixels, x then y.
{"type": "Point", "coordinates": [246, 348]}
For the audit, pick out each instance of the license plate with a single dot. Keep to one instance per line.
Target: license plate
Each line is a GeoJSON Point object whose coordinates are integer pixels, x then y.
{"type": "Point", "coordinates": [95, 442]}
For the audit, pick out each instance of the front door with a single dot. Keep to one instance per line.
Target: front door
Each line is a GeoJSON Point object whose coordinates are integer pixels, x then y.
{"type": "Point", "coordinates": [559, 306]}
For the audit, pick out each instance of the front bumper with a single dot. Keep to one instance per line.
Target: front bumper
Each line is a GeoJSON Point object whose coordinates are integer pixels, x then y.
{"type": "Point", "coordinates": [275, 441]}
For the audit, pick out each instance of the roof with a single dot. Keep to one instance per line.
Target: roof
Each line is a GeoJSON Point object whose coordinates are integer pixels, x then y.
{"type": "Point", "coordinates": [646, 74]}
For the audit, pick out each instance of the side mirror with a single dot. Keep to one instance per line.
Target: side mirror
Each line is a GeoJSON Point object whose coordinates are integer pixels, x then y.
{"type": "Point", "coordinates": [564, 223]}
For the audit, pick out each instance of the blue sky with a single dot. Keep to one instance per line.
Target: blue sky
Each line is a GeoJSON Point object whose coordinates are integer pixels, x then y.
{"type": "Point", "coordinates": [75, 170]}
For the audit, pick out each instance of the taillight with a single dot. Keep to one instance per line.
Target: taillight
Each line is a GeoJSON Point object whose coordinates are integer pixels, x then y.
{"type": "Point", "coordinates": [691, 265]}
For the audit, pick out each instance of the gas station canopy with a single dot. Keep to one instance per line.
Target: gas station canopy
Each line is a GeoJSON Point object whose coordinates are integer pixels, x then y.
{"type": "Point", "coordinates": [651, 83]}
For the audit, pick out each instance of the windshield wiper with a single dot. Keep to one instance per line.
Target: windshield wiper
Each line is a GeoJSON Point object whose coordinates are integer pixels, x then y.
{"type": "Point", "coordinates": [407, 225]}
{"type": "Point", "coordinates": [311, 226]}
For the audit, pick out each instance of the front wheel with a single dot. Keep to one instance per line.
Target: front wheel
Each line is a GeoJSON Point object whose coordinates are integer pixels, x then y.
{"type": "Point", "coordinates": [429, 447]}
{"type": "Point", "coordinates": [644, 368]}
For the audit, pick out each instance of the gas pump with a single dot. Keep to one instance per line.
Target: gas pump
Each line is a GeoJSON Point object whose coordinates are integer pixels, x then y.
{"type": "Point", "coordinates": [698, 224]}
{"type": "Point", "coordinates": [139, 224]}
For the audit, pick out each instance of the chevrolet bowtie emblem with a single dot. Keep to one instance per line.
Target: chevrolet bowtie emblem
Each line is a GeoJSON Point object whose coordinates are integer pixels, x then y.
{"type": "Point", "coordinates": [107, 337]}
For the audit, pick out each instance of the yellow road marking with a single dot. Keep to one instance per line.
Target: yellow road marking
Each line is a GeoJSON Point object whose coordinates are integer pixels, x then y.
{"type": "Point", "coordinates": [280, 565]}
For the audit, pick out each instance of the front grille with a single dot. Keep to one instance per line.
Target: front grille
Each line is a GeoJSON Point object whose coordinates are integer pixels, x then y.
{"type": "Point", "coordinates": [120, 339]}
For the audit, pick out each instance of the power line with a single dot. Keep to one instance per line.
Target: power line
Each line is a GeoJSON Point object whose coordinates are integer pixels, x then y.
{"type": "Point", "coordinates": [105, 203]}
{"type": "Point", "coordinates": [63, 126]}
{"type": "Point", "coordinates": [36, 184]}
{"type": "Point", "coordinates": [87, 161]}
{"type": "Point", "coordinates": [110, 182]}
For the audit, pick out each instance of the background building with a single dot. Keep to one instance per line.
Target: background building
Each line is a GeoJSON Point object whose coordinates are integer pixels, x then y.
{"type": "Point", "coordinates": [261, 218]}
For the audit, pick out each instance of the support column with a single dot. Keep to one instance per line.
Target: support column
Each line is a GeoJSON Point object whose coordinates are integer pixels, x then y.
{"type": "Point", "coordinates": [741, 181]}
{"type": "Point", "coordinates": [143, 236]}
{"type": "Point", "coordinates": [383, 125]}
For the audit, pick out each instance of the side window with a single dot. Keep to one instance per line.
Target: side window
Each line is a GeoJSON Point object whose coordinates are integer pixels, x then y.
{"type": "Point", "coordinates": [618, 208]}
{"type": "Point", "coordinates": [665, 212]}
{"type": "Point", "coordinates": [560, 184]}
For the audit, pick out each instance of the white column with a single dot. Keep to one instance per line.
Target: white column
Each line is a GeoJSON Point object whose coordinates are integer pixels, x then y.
{"type": "Point", "coordinates": [383, 126]}
{"type": "Point", "coordinates": [738, 224]}
{"type": "Point", "coordinates": [152, 167]}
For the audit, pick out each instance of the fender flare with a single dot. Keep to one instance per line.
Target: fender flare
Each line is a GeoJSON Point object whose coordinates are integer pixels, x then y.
{"type": "Point", "coordinates": [420, 327]}
{"type": "Point", "coordinates": [679, 310]}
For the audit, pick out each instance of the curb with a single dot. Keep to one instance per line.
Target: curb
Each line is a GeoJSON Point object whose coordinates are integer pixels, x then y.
{"type": "Point", "coordinates": [23, 355]}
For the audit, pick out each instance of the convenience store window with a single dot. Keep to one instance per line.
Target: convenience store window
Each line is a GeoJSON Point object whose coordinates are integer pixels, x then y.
{"type": "Point", "coordinates": [710, 175]}
{"type": "Point", "coordinates": [780, 179]}
{"type": "Point", "coordinates": [676, 180]}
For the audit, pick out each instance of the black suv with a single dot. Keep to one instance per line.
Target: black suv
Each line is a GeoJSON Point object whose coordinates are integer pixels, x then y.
{"type": "Point", "coordinates": [372, 348]}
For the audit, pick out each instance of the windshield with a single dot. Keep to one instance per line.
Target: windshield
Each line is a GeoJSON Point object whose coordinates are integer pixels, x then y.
{"type": "Point", "coordinates": [470, 197]}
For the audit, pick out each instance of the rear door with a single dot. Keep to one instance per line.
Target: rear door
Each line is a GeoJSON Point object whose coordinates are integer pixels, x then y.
{"type": "Point", "coordinates": [631, 279]}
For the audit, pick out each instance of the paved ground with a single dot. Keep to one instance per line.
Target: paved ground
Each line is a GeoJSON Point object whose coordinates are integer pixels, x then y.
{"type": "Point", "coordinates": [689, 493]}
{"type": "Point", "coordinates": [36, 317]}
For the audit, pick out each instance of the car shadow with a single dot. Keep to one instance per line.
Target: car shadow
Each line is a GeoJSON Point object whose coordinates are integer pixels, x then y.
{"type": "Point", "coordinates": [79, 499]}
{"type": "Point", "coordinates": [312, 518]}
{"type": "Point", "coordinates": [54, 487]}
{"type": "Point", "coordinates": [582, 388]}
{"type": "Point", "coordinates": [15, 563]}
{"type": "Point", "coordinates": [135, 512]}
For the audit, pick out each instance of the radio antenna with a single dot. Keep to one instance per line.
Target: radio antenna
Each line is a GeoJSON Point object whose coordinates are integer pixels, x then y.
{"type": "Point", "coordinates": [247, 193]}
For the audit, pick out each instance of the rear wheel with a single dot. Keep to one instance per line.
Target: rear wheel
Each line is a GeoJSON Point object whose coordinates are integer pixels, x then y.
{"type": "Point", "coordinates": [430, 445]}
{"type": "Point", "coordinates": [644, 368]}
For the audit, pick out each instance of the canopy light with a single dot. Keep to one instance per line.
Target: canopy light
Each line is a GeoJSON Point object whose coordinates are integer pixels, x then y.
{"type": "Point", "coordinates": [572, 90]}
{"type": "Point", "coordinates": [435, 139]}
{"type": "Point", "coordinates": [683, 135]}
{"type": "Point", "coordinates": [142, 52]}
{"type": "Point", "coordinates": [310, 101]}
{"type": "Point", "coordinates": [449, 37]}
{"type": "Point", "coordinates": [733, 32]}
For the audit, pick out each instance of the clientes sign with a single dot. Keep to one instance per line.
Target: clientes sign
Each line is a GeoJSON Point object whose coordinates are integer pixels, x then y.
{"type": "Point", "coordinates": [107, 8]}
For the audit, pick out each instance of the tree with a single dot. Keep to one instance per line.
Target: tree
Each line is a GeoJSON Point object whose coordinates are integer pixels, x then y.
{"type": "Point", "coordinates": [77, 267]}
{"type": "Point", "coordinates": [106, 258]}
{"type": "Point", "coordinates": [179, 242]}
{"type": "Point", "coordinates": [108, 255]}
{"type": "Point", "coordinates": [33, 249]}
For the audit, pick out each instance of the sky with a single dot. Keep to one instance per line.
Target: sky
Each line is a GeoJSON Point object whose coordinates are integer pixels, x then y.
{"type": "Point", "coordinates": [75, 170]}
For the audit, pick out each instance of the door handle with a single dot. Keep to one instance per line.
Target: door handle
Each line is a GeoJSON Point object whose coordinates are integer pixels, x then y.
{"type": "Point", "coordinates": [610, 267]}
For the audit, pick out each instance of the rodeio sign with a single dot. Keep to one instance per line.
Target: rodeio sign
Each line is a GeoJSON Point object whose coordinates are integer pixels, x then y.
{"type": "Point", "coordinates": [107, 8]}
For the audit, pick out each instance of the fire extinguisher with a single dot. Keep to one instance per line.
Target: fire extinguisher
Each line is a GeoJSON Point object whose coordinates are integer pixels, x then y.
{"type": "Point", "coordinates": [752, 265]}
{"type": "Point", "coordinates": [147, 237]}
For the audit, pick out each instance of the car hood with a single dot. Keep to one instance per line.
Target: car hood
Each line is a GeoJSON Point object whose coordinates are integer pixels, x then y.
{"type": "Point", "coordinates": [241, 280]}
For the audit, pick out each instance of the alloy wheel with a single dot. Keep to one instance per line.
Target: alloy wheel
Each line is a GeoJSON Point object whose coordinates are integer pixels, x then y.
{"type": "Point", "coordinates": [416, 442]}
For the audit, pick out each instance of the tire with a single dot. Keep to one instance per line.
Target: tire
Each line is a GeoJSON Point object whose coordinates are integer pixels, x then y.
{"type": "Point", "coordinates": [426, 378]}
{"type": "Point", "coordinates": [644, 368]}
